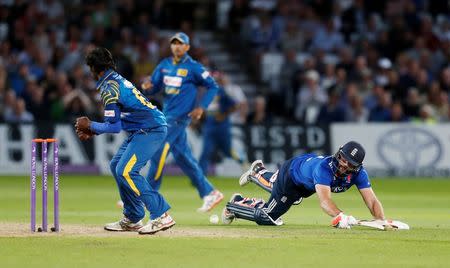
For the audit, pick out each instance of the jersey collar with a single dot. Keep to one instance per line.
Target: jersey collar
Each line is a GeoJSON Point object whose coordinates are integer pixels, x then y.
{"type": "Point", "coordinates": [183, 59]}
{"type": "Point", "coordinates": [102, 79]}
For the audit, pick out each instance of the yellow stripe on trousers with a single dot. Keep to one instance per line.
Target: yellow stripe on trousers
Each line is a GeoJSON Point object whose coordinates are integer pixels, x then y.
{"type": "Point", "coordinates": [126, 173]}
{"type": "Point", "coordinates": [162, 160]}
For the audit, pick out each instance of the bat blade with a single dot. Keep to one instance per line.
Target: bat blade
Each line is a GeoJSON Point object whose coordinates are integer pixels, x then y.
{"type": "Point", "coordinates": [384, 225]}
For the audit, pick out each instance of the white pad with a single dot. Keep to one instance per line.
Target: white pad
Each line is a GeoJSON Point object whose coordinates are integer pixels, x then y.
{"type": "Point", "coordinates": [384, 224]}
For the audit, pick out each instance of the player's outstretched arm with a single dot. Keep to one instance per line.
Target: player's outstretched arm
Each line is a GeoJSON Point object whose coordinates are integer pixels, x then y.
{"type": "Point", "coordinates": [327, 205]}
{"type": "Point", "coordinates": [372, 203]}
{"type": "Point", "coordinates": [340, 220]}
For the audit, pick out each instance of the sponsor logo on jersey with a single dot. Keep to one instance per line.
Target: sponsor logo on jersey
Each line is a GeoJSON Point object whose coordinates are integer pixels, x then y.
{"type": "Point", "coordinates": [205, 74]}
{"type": "Point", "coordinates": [110, 113]}
{"type": "Point", "coordinates": [182, 72]}
{"type": "Point", "coordinates": [172, 81]}
{"type": "Point", "coordinates": [338, 189]}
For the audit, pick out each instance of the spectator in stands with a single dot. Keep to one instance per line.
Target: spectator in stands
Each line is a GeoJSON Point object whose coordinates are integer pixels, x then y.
{"type": "Point", "coordinates": [77, 104]}
{"type": "Point", "coordinates": [353, 19]}
{"type": "Point", "coordinates": [258, 114]}
{"type": "Point", "coordinates": [332, 111]}
{"type": "Point", "coordinates": [357, 112]}
{"type": "Point", "coordinates": [18, 113]}
{"type": "Point", "coordinates": [445, 79]}
{"type": "Point", "coordinates": [237, 94]}
{"type": "Point", "coordinates": [292, 38]}
{"type": "Point", "coordinates": [327, 38]}
{"type": "Point", "coordinates": [329, 76]}
{"type": "Point", "coordinates": [382, 111]}
{"type": "Point", "coordinates": [239, 10]}
{"type": "Point", "coordinates": [281, 99]}
{"type": "Point", "coordinates": [384, 66]}
{"type": "Point", "coordinates": [397, 113]}
{"type": "Point", "coordinates": [413, 102]}
{"type": "Point", "coordinates": [310, 98]}
{"type": "Point", "coordinates": [426, 115]}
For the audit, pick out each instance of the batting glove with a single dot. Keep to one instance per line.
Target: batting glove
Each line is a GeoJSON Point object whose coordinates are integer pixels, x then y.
{"type": "Point", "coordinates": [343, 221]}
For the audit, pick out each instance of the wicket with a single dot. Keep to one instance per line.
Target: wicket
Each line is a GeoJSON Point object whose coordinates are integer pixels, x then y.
{"type": "Point", "coordinates": [33, 176]}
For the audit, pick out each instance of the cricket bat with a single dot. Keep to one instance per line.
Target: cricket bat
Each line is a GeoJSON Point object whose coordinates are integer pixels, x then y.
{"type": "Point", "coordinates": [384, 225]}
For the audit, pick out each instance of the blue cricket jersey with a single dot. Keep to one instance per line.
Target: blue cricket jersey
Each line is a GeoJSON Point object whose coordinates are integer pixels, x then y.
{"type": "Point", "coordinates": [221, 103]}
{"type": "Point", "coordinates": [122, 101]}
{"type": "Point", "coordinates": [180, 80]}
{"type": "Point", "coordinates": [310, 169]}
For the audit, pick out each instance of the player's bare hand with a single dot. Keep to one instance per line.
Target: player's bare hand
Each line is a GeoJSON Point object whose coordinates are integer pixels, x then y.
{"type": "Point", "coordinates": [84, 135]}
{"type": "Point", "coordinates": [83, 123]}
{"type": "Point", "coordinates": [147, 85]}
{"type": "Point", "coordinates": [197, 113]}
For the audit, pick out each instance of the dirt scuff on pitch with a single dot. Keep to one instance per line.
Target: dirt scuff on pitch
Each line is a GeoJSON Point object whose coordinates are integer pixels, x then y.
{"type": "Point", "coordinates": [8, 229]}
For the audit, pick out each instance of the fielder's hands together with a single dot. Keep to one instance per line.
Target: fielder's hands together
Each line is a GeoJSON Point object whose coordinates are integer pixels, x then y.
{"type": "Point", "coordinates": [83, 128]}
{"type": "Point", "coordinates": [343, 221]}
{"type": "Point", "coordinates": [147, 85]}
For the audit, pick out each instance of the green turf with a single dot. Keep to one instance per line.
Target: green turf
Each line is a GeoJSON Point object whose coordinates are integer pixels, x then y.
{"type": "Point", "coordinates": [306, 239]}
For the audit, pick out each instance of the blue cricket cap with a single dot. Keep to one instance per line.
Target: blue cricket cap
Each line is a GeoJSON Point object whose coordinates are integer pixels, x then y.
{"type": "Point", "coordinates": [180, 36]}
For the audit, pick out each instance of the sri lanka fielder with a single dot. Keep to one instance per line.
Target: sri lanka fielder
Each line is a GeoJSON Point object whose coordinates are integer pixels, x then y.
{"type": "Point", "coordinates": [179, 76]}
{"type": "Point", "coordinates": [216, 129]}
{"type": "Point", "coordinates": [125, 108]}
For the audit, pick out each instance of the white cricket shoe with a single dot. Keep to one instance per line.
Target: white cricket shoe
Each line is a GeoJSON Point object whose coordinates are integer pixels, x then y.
{"type": "Point", "coordinates": [210, 201]}
{"type": "Point", "coordinates": [124, 225]}
{"type": "Point", "coordinates": [252, 171]}
{"type": "Point", "coordinates": [228, 216]}
{"type": "Point", "coordinates": [161, 223]}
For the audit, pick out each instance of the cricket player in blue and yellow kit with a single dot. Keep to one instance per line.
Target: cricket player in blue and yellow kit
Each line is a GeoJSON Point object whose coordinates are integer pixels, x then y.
{"type": "Point", "coordinates": [179, 76]}
{"type": "Point", "coordinates": [216, 128]}
{"type": "Point", "coordinates": [125, 108]}
{"type": "Point", "coordinates": [300, 177]}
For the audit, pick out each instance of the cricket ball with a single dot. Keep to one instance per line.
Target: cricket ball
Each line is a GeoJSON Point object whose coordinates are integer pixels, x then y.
{"type": "Point", "coordinates": [214, 219]}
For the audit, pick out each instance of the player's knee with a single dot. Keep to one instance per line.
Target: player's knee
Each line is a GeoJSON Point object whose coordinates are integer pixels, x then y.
{"type": "Point", "coordinates": [120, 171]}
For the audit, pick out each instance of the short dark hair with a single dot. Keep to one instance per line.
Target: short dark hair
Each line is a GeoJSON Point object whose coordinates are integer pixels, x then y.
{"type": "Point", "coordinates": [100, 59]}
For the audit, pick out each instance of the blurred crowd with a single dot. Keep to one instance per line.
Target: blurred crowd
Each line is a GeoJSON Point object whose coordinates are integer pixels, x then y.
{"type": "Point", "coordinates": [42, 47]}
{"type": "Point", "coordinates": [361, 60]}
{"type": "Point", "coordinates": [377, 61]}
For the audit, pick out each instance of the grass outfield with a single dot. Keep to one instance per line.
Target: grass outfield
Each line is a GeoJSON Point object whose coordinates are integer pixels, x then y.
{"type": "Point", "coordinates": [87, 202]}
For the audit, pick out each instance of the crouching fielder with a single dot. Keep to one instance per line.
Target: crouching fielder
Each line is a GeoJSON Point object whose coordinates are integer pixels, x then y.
{"type": "Point", "coordinates": [300, 177]}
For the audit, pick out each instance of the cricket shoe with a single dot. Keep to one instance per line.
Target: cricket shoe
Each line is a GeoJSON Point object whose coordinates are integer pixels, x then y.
{"type": "Point", "coordinates": [161, 223]}
{"type": "Point", "coordinates": [254, 169]}
{"type": "Point", "coordinates": [228, 216]}
{"type": "Point", "coordinates": [124, 225]}
{"type": "Point", "coordinates": [210, 201]}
